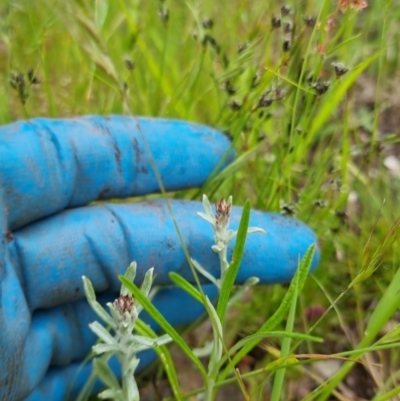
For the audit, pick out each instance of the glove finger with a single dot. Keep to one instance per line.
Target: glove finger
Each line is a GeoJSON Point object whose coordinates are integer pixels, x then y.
{"type": "Point", "coordinates": [99, 242]}
{"type": "Point", "coordinates": [49, 165]}
{"type": "Point", "coordinates": [60, 339]}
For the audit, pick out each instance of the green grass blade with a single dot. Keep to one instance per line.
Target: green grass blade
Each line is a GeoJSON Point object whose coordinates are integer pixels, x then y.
{"type": "Point", "coordinates": [284, 307]}
{"type": "Point", "coordinates": [186, 286]}
{"type": "Point", "coordinates": [389, 395]}
{"type": "Point", "coordinates": [260, 336]}
{"type": "Point", "coordinates": [385, 309]}
{"type": "Point", "coordinates": [165, 358]}
{"type": "Point", "coordinates": [233, 269]}
{"type": "Point", "coordinates": [159, 319]}
{"type": "Point", "coordinates": [337, 94]}
{"type": "Point", "coordinates": [285, 350]}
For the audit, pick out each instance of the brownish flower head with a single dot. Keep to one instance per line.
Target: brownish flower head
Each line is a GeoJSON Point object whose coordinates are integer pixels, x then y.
{"type": "Point", "coordinates": [223, 212]}
{"type": "Point", "coordinates": [124, 304]}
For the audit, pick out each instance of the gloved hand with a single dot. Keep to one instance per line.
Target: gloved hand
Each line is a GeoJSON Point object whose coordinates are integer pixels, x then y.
{"type": "Point", "coordinates": [50, 170]}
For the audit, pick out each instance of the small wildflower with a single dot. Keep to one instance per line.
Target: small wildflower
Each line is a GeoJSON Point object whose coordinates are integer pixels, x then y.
{"type": "Point", "coordinates": [124, 304]}
{"type": "Point", "coordinates": [223, 235]}
{"type": "Point", "coordinates": [120, 340]}
{"type": "Point", "coordinates": [223, 214]}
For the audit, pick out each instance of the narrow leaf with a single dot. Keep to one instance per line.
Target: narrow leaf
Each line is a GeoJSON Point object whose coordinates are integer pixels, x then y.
{"type": "Point", "coordinates": [130, 275]}
{"type": "Point", "coordinates": [205, 273]}
{"type": "Point", "coordinates": [280, 314]}
{"type": "Point", "coordinates": [207, 207]}
{"type": "Point", "coordinates": [250, 282]}
{"type": "Point", "coordinates": [230, 277]}
{"type": "Point", "coordinates": [186, 286]}
{"type": "Point", "coordinates": [102, 348]}
{"type": "Point", "coordinates": [147, 282]}
{"type": "Point", "coordinates": [105, 373]}
{"type": "Point", "coordinates": [165, 357]}
{"type": "Point", "coordinates": [102, 333]}
{"type": "Point", "coordinates": [98, 309]}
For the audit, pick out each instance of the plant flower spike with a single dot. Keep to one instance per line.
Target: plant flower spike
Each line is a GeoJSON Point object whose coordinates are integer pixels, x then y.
{"type": "Point", "coordinates": [223, 235]}
{"type": "Point", "coordinates": [121, 341]}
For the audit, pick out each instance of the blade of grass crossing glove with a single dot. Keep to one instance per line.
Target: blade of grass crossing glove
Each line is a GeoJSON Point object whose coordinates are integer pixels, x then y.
{"type": "Point", "coordinates": [233, 269]}
{"type": "Point", "coordinates": [186, 286]}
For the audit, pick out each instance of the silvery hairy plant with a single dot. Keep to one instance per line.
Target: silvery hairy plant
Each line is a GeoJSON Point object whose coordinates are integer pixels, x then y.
{"type": "Point", "coordinates": [222, 238]}
{"type": "Point", "coordinates": [120, 340]}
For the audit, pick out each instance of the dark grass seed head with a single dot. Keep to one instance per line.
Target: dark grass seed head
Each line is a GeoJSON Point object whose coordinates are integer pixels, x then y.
{"type": "Point", "coordinates": [286, 45]}
{"type": "Point", "coordinates": [229, 89]}
{"type": "Point", "coordinates": [287, 27]}
{"type": "Point", "coordinates": [32, 77]}
{"type": "Point", "coordinates": [207, 23]}
{"type": "Point", "coordinates": [310, 21]}
{"type": "Point", "coordinates": [276, 22]}
{"type": "Point", "coordinates": [163, 13]}
{"type": "Point", "coordinates": [242, 47]}
{"type": "Point", "coordinates": [234, 105]}
{"type": "Point", "coordinates": [340, 69]}
{"type": "Point", "coordinates": [129, 64]}
{"type": "Point", "coordinates": [285, 10]}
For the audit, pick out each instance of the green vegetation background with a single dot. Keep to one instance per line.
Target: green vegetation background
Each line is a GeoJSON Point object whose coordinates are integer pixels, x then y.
{"type": "Point", "coordinates": [313, 139]}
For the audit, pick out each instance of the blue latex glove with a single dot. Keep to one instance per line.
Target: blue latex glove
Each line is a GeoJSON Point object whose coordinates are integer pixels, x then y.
{"type": "Point", "coordinates": [49, 171]}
